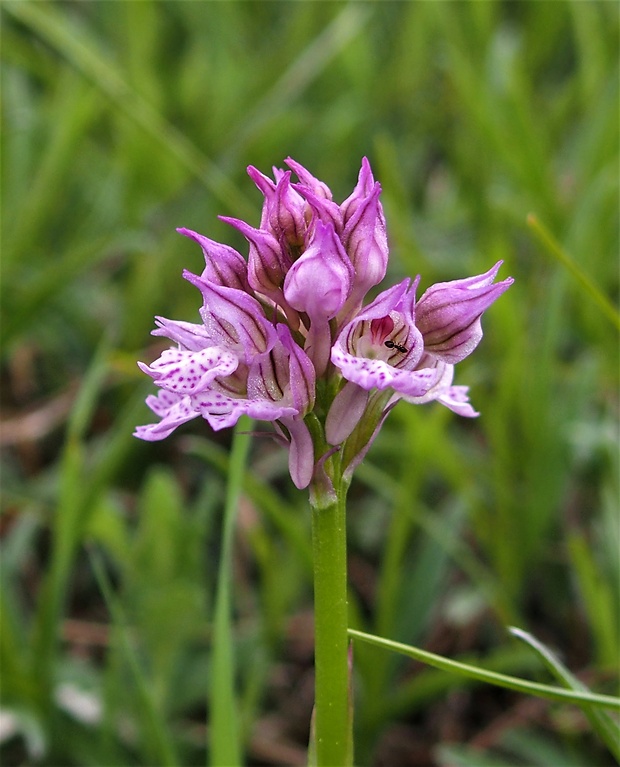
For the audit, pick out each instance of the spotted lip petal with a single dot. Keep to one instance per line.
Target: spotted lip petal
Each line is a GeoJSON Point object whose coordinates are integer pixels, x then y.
{"type": "Point", "coordinates": [173, 409]}
{"type": "Point", "coordinates": [222, 411]}
{"type": "Point", "coordinates": [453, 397]}
{"type": "Point", "coordinates": [378, 374]}
{"type": "Point", "coordinates": [190, 372]}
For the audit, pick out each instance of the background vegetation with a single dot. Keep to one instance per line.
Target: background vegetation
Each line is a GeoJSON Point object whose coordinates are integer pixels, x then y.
{"type": "Point", "coordinates": [124, 120]}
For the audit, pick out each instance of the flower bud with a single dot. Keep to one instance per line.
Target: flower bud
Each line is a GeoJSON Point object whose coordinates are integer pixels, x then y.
{"type": "Point", "coordinates": [284, 211]}
{"type": "Point", "coordinates": [365, 241]}
{"type": "Point", "coordinates": [318, 284]}
{"type": "Point", "coordinates": [267, 263]}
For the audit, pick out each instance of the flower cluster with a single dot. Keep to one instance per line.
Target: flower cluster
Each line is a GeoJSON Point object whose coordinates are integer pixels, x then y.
{"type": "Point", "coordinates": [285, 336]}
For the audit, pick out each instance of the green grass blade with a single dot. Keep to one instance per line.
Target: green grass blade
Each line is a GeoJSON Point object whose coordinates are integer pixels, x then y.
{"type": "Point", "coordinates": [599, 600]}
{"type": "Point", "coordinates": [491, 677]}
{"type": "Point", "coordinates": [66, 526]}
{"type": "Point", "coordinates": [607, 730]}
{"type": "Point", "coordinates": [224, 730]}
{"type": "Point", "coordinates": [84, 54]}
{"type": "Point", "coordinates": [556, 250]}
{"type": "Point", "coordinates": [307, 67]}
{"type": "Point", "coordinates": [271, 505]}
{"type": "Point", "coordinates": [158, 742]}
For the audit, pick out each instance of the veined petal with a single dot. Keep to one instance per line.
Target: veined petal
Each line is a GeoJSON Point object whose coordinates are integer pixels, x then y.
{"type": "Point", "coordinates": [186, 334]}
{"type": "Point", "coordinates": [223, 264]}
{"type": "Point", "coordinates": [234, 319]}
{"type": "Point", "coordinates": [301, 452]}
{"type": "Point", "coordinates": [448, 314]}
{"type": "Point", "coordinates": [385, 302]}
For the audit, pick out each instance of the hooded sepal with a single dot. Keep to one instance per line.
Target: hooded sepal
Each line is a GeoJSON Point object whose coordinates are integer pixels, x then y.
{"type": "Point", "coordinates": [234, 319]}
{"type": "Point", "coordinates": [223, 264]}
{"type": "Point", "coordinates": [448, 314]}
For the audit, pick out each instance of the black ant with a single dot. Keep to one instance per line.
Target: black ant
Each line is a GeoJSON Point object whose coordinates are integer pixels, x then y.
{"type": "Point", "coordinates": [398, 347]}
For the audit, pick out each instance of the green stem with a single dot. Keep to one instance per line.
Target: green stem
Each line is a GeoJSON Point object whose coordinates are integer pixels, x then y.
{"type": "Point", "coordinates": [333, 718]}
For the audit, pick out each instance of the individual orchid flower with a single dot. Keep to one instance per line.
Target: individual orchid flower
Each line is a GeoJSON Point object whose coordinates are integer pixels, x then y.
{"type": "Point", "coordinates": [423, 342]}
{"type": "Point", "coordinates": [381, 347]}
{"type": "Point", "coordinates": [378, 350]}
{"type": "Point", "coordinates": [235, 364]}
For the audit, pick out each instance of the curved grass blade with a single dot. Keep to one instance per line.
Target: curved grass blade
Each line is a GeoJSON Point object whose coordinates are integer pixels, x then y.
{"type": "Point", "coordinates": [490, 677]}
{"type": "Point", "coordinates": [225, 729]}
{"type": "Point", "coordinates": [607, 730]}
{"type": "Point", "coordinates": [159, 742]}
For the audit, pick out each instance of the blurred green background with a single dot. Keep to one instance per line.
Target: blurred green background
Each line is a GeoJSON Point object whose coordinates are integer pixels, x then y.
{"type": "Point", "coordinates": [124, 120]}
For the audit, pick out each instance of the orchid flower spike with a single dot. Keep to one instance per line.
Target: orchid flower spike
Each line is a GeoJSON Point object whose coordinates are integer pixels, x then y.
{"type": "Point", "coordinates": [288, 336]}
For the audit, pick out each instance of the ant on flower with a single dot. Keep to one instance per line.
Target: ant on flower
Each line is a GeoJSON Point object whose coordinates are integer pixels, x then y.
{"type": "Point", "coordinates": [398, 347]}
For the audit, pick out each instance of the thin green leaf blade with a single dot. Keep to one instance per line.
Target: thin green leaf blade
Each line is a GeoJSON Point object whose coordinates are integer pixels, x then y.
{"type": "Point", "coordinates": [607, 730]}
{"type": "Point", "coordinates": [491, 677]}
